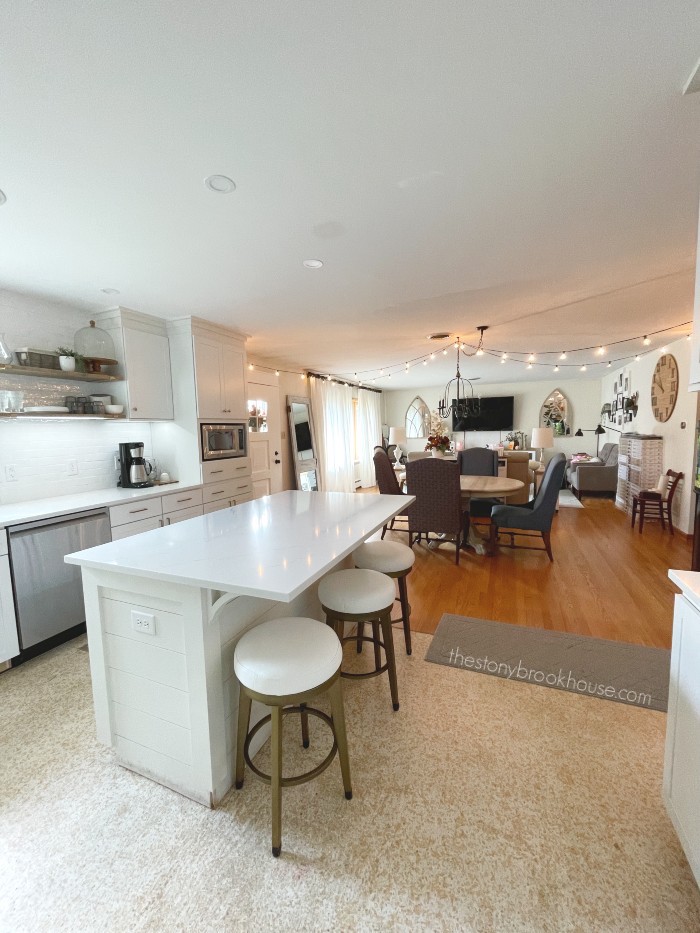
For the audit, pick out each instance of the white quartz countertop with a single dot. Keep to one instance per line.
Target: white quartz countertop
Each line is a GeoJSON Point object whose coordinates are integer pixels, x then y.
{"type": "Point", "coordinates": [36, 509]}
{"type": "Point", "coordinates": [689, 583]}
{"type": "Point", "coordinates": [273, 548]}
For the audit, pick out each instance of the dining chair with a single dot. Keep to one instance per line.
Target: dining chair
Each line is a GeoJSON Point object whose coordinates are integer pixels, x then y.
{"type": "Point", "coordinates": [479, 461]}
{"type": "Point", "coordinates": [438, 506]}
{"type": "Point", "coordinates": [388, 484]}
{"type": "Point", "coordinates": [657, 503]}
{"type": "Point", "coordinates": [535, 517]}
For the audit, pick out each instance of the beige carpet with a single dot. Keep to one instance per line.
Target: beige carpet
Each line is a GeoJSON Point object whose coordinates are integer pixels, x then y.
{"type": "Point", "coordinates": [482, 805]}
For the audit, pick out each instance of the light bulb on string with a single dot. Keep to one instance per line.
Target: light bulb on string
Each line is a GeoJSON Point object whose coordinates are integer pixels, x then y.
{"type": "Point", "coordinates": [637, 358]}
{"type": "Point", "coordinates": [531, 358]}
{"type": "Point", "coordinates": [562, 355]}
{"type": "Point", "coordinates": [556, 369]}
{"type": "Point", "coordinates": [646, 341]}
{"type": "Point", "coordinates": [600, 351]}
{"type": "Point", "coordinates": [662, 350]}
{"type": "Point", "coordinates": [584, 368]}
{"type": "Point", "coordinates": [529, 366]}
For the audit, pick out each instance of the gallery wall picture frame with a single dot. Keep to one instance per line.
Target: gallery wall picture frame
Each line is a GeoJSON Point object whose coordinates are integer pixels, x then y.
{"type": "Point", "coordinates": [620, 400]}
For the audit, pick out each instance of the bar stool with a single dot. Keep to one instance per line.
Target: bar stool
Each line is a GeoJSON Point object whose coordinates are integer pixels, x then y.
{"type": "Point", "coordinates": [396, 561]}
{"type": "Point", "coordinates": [363, 596]}
{"type": "Point", "coordinates": [285, 663]}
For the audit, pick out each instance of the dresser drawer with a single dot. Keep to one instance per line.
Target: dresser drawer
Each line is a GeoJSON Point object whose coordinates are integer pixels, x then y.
{"type": "Point", "coordinates": [175, 501]}
{"type": "Point", "coordinates": [217, 470]}
{"type": "Point", "coordinates": [229, 489]}
{"type": "Point", "coordinates": [134, 511]}
{"type": "Point", "coordinates": [135, 528]}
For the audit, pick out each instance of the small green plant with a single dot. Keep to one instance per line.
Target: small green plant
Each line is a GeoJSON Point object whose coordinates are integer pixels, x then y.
{"type": "Point", "coordinates": [79, 359]}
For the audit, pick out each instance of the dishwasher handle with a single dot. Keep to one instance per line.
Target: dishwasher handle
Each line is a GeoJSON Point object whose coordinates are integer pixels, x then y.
{"type": "Point", "coordinates": [58, 520]}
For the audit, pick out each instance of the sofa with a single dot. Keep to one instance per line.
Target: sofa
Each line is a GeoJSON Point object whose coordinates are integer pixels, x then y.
{"type": "Point", "coordinates": [597, 476]}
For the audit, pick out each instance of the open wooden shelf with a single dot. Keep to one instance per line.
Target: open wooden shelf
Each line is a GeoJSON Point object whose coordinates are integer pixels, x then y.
{"type": "Point", "coordinates": [65, 415]}
{"type": "Point", "coordinates": [12, 370]}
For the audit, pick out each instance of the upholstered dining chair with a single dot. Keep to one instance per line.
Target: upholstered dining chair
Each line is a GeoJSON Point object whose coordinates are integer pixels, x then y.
{"type": "Point", "coordinates": [438, 506]}
{"type": "Point", "coordinates": [388, 484]}
{"type": "Point", "coordinates": [657, 503]}
{"type": "Point", "coordinates": [479, 461]}
{"type": "Point", "coordinates": [535, 517]}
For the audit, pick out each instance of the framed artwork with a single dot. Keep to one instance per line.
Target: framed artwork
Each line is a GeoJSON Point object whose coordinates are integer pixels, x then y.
{"type": "Point", "coordinates": [619, 418]}
{"type": "Point", "coordinates": [626, 389]}
{"type": "Point", "coordinates": [615, 388]}
{"type": "Point", "coordinates": [620, 400]}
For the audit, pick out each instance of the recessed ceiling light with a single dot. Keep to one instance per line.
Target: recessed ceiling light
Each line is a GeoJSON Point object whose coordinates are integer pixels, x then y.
{"type": "Point", "coordinates": [3, 197]}
{"type": "Point", "coordinates": [312, 263]}
{"type": "Point", "coordinates": [110, 291]}
{"type": "Point", "coordinates": [222, 184]}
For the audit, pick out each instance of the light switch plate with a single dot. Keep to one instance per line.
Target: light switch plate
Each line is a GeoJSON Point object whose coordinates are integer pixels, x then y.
{"type": "Point", "coordinates": [144, 622]}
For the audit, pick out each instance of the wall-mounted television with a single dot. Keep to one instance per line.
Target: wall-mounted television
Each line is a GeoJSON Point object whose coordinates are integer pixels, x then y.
{"type": "Point", "coordinates": [496, 415]}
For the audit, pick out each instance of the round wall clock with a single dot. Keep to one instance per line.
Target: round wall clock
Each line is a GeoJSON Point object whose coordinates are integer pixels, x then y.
{"type": "Point", "coordinates": [664, 387]}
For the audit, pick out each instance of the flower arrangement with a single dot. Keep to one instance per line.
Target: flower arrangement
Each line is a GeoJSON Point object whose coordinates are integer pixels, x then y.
{"type": "Point", "coordinates": [439, 442]}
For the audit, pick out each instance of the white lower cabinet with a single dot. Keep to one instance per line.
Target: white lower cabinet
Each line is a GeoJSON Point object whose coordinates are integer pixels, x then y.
{"type": "Point", "coordinates": [9, 643]}
{"type": "Point", "coordinates": [682, 762]}
{"type": "Point", "coordinates": [182, 515]}
{"type": "Point", "coordinates": [135, 528]}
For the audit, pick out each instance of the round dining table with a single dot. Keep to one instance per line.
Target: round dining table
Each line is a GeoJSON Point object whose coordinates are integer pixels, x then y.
{"type": "Point", "coordinates": [485, 487]}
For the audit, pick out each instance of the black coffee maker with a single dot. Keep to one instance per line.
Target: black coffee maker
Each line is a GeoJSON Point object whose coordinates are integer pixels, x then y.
{"type": "Point", "coordinates": [133, 468]}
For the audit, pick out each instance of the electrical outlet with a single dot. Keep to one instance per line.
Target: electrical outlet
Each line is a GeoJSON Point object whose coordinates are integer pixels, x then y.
{"type": "Point", "coordinates": [11, 473]}
{"type": "Point", "coordinates": [143, 622]}
{"type": "Point", "coordinates": [72, 468]}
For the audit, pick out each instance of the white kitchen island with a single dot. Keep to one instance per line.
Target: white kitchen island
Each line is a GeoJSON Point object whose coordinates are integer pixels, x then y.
{"type": "Point", "coordinates": [165, 609]}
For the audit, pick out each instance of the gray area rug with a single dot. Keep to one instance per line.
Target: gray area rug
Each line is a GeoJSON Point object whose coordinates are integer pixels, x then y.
{"type": "Point", "coordinates": [568, 500]}
{"type": "Point", "coordinates": [609, 670]}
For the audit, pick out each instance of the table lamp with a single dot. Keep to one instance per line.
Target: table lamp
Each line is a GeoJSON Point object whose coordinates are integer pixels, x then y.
{"type": "Point", "coordinates": [541, 438]}
{"type": "Point", "coordinates": [397, 436]}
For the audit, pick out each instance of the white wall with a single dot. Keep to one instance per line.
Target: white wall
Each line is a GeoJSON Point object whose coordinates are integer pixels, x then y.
{"type": "Point", "coordinates": [41, 451]}
{"type": "Point", "coordinates": [583, 396]}
{"type": "Point", "coordinates": [679, 442]}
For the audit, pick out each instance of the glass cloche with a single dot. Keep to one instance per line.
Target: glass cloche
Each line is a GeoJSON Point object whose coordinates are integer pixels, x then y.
{"type": "Point", "coordinates": [95, 345]}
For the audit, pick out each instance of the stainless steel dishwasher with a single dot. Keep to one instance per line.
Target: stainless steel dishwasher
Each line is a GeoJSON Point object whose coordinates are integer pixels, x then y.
{"type": "Point", "coordinates": [48, 592]}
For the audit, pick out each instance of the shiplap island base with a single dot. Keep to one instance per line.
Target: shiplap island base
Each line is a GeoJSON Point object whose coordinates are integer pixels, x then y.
{"type": "Point", "coordinates": [165, 609]}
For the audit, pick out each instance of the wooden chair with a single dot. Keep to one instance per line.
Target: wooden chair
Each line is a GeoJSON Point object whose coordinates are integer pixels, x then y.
{"type": "Point", "coordinates": [657, 503]}
{"type": "Point", "coordinates": [388, 484]}
{"type": "Point", "coordinates": [438, 505]}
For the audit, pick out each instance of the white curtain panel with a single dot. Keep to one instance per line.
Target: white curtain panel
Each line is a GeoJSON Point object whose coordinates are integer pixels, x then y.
{"type": "Point", "coordinates": [369, 433]}
{"type": "Point", "coordinates": [331, 404]}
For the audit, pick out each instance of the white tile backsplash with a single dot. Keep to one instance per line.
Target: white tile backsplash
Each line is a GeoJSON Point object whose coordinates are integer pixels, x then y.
{"type": "Point", "coordinates": [41, 452]}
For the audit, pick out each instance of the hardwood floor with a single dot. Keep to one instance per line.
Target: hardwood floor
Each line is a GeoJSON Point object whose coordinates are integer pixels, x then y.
{"type": "Point", "coordinates": [606, 580]}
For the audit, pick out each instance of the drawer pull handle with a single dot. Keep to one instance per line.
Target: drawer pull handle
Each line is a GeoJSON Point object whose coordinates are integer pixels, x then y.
{"type": "Point", "coordinates": [134, 511]}
{"type": "Point", "coordinates": [188, 499]}
{"type": "Point", "coordinates": [218, 492]}
{"type": "Point", "coordinates": [241, 467]}
{"type": "Point", "coordinates": [216, 471]}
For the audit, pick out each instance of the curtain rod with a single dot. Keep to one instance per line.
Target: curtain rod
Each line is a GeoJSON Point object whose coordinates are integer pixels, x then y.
{"type": "Point", "coordinates": [348, 382]}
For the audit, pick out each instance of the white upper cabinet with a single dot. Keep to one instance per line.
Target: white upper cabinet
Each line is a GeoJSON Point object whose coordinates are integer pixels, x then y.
{"type": "Point", "coordinates": [220, 378]}
{"type": "Point", "coordinates": [147, 362]}
{"type": "Point", "coordinates": [143, 353]}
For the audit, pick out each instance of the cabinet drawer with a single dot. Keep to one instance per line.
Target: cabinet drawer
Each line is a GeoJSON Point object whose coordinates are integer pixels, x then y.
{"type": "Point", "coordinates": [230, 489]}
{"type": "Point", "coordinates": [182, 515]}
{"type": "Point", "coordinates": [135, 528]}
{"type": "Point", "coordinates": [217, 470]}
{"type": "Point", "coordinates": [134, 511]}
{"type": "Point", "coordinates": [175, 501]}
{"type": "Point", "coordinates": [247, 497]}
{"type": "Point", "coordinates": [216, 506]}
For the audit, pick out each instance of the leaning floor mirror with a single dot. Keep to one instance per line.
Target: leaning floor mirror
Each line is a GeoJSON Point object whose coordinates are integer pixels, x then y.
{"type": "Point", "coordinates": [304, 453]}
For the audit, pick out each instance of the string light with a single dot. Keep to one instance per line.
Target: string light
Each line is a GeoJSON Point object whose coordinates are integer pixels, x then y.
{"type": "Point", "coordinates": [277, 372]}
{"type": "Point", "coordinates": [562, 355]}
{"type": "Point", "coordinates": [637, 358]}
{"type": "Point", "coordinates": [584, 368]}
{"type": "Point", "coordinates": [531, 358]}
{"type": "Point", "coordinates": [250, 366]}
{"type": "Point", "coordinates": [646, 341]}
{"type": "Point", "coordinates": [505, 356]}
{"type": "Point", "coordinates": [600, 351]}
{"type": "Point", "coordinates": [662, 350]}
{"type": "Point", "coordinates": [556, 368]}
{"type": "Point", "coordinates": [529, 365]}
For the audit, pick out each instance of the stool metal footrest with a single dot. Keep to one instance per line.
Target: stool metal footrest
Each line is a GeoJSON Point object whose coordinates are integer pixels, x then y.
{"type": "Point", "coordinates": [355, 639]}
{"type": "Point", "coordinates": [297, 778]}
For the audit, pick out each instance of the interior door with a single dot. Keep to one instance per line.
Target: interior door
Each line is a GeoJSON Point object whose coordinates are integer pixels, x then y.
{"type": "Point", "coordinates": [264, 438]}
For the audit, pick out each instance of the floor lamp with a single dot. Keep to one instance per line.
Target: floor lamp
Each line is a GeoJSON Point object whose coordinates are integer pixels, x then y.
{"type": "Point", "coordinates": [598, 430]}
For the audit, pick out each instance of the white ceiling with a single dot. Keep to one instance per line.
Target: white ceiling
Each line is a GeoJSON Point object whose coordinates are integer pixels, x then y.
{"type": "Point", "coordinates": [529, 166]}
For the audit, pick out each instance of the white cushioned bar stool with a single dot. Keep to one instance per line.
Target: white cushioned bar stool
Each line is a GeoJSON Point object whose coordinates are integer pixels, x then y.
{"type": "Point", "coordinates": [396, 561]}
{"type": "Point", "coordinates": [283, 664]}
{"type": "Point", "coordinates": [363, 596]}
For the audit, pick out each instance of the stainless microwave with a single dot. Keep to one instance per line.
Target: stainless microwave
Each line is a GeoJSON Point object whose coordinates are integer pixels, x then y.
{"type": "Point", "coordinates": [220, 441]}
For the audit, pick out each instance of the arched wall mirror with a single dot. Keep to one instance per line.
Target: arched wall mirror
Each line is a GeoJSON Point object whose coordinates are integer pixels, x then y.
{"type": "Point", "coordinates": [556, 414]}
{"type": "Point", "coordinates": [417, 419]}
{"type": "Point", "coordinates": [303, 438]}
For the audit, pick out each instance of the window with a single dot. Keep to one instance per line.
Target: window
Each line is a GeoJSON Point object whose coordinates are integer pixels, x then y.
{"type": "Point", "coordinates": [418, 418]}
{"type": "Point", "coordinates": [257, 415]}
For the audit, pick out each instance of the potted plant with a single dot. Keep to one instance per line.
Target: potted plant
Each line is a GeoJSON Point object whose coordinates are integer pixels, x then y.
{"type": "Point", "coordinates": [515, 440]}
{"type": "Point", "coordinates": [68, 359]}
{"type": "Point", "coordinates": [438, 444]}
